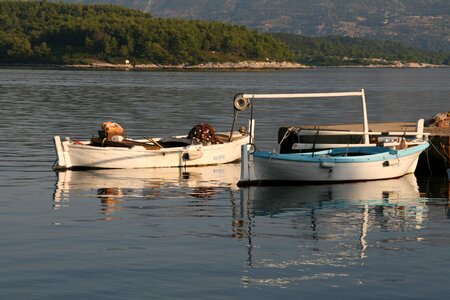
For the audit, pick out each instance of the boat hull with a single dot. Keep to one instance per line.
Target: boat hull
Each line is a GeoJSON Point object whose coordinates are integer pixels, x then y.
{"type": "Point", "coordinates": [260, 166]}
{"type": "Point", "coordinates": [72, 155]}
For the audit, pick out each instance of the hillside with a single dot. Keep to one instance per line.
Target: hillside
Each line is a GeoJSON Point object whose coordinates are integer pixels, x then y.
{"type": "Point", "coordinates": [338, 51]}
{"type": "Point", "coordinates": [101, 35]}
{"type": "Point", "coordinates": [43, 32]}
{"type": "Point", "coordinates": [418, 23]}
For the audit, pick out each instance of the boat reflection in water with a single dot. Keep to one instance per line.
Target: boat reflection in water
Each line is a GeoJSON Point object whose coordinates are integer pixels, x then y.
{"type": "Point", "coordinates": [396, 192]}
{"type": "Point", "coordinates": [330, 227]}
{"type": "Point", "coordinates": [112, 186]}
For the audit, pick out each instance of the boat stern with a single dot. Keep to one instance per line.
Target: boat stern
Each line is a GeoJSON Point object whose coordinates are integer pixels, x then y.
{"type": "Point", "coordinates": [247, 167]}
{"type": "Point", "coordinates": [62, 156]}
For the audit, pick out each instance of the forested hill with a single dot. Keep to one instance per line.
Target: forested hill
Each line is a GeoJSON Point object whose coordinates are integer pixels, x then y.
{"type": "Point", "coordinates": [43, 32]}
{"type": "Point", "coordinates": [417, 23]}
{"type": "Point", "coordinates": [56, 33]}
{"type": "Point", "coordinates": [338, 50]}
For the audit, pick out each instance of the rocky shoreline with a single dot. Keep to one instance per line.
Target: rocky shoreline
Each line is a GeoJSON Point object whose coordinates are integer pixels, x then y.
{"type": "Point", "coordinates": [397, 64]}
{"type": "Point", "coordinates": [245, 65]}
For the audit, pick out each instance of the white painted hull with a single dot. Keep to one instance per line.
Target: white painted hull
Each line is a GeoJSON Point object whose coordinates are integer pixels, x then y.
{"type": "Point", "coordinates": [258, 169]}
{"type": "Point", "coordinates": [83, 155]}
{"type": "Point", "coordinates": [287, 171]}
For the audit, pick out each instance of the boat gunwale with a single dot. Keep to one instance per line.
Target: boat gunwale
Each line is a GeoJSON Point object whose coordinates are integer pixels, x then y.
{"type": "Point", "coordinates": [86, 145]}
{"type": "Point", "coordinates": [322, 156]}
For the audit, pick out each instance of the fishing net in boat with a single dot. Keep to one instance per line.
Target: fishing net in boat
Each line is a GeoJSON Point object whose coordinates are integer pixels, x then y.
{"type": "Point", "coordinates": [204, 133]}
{"type": "Point", "coordinates": [441, 120]}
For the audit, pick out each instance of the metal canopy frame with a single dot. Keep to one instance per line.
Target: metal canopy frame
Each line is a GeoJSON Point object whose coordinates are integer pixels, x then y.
{"type": "Point", "coordinates": [246, 97]}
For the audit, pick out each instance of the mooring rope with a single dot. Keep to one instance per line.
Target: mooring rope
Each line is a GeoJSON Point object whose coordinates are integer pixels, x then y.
{"type": "Point", "coordinates": [288, 131]}
{"type": "Point", "coordinates": [265, 169]}
{"type": "Point", "coordinates": [444, 156]}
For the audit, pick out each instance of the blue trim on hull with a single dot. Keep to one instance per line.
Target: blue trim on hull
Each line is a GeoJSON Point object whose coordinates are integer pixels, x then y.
{"type": "Point", "coordinates": [345, 155]}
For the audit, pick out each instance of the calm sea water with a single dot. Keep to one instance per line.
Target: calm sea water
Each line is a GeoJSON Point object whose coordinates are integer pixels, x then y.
{"type": "Point", "coordinates": [193, 234]}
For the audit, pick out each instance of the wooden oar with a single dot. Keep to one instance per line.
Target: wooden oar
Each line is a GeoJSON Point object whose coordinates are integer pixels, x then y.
{"type": "Point", "coordinates": [143, 144]}
{"type": "Point", "coordinates": [125, 143]}
{"type": "Point", "coordinates": [154, 142]}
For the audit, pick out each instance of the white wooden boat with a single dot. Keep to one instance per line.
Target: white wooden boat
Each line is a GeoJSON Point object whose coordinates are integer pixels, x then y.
{"type": "Point", "coordinates": [147, 153]}
{"type": "Point", "coordinates": [333, 165]}
{"type": "Point", "coordinates": [357, 162]}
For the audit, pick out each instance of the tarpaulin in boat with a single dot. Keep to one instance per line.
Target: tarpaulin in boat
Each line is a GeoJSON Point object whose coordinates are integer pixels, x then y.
{"type": "Point", "coordinates": [110, 129]}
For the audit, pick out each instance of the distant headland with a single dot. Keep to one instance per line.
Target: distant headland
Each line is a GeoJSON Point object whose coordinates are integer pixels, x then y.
{"type": "Point", "coordinates": [47, 34]}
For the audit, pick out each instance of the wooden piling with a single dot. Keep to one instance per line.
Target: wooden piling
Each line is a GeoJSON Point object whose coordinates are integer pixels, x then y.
{"type": "Point", "coordinates": [436, 160]}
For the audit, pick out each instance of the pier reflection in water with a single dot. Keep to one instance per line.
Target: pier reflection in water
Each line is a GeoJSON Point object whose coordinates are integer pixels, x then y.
{"type": "Point", "coordinates": [331, 230]}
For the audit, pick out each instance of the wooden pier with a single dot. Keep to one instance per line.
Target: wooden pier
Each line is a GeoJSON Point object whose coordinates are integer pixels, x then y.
{"type": "Point", "coordinates": [435, 161]}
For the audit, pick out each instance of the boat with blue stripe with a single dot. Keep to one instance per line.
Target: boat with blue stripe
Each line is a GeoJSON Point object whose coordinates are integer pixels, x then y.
{"type": "Point", "coordinates": [363, 162]}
